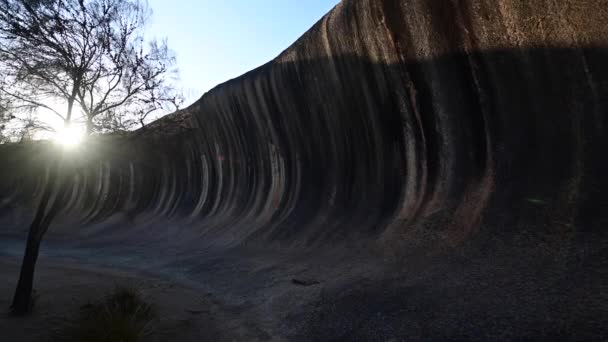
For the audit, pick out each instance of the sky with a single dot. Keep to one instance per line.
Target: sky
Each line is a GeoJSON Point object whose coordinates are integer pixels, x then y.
{"type": "Point", "coordinates": [217, 40]}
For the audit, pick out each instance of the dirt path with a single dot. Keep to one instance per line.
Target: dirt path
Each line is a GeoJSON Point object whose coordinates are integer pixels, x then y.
{"type": "Point", "coordinates": [248, 295]}
{"type": "Point", "coordinates": [242, 294]}
{"type": "Point", "coordinates": [186, 314]}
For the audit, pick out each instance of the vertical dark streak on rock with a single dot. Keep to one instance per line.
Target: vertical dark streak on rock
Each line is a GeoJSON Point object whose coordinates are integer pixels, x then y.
{"type": "Point", "coordinates": [398, 124]}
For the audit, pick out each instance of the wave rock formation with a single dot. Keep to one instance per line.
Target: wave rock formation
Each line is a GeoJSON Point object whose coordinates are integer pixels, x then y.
{"type": "Point", "coordinates": [391, 131]}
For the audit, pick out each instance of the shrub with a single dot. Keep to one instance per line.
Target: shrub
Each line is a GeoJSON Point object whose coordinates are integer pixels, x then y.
{"type": "Point", "coordinates": [122, 316]}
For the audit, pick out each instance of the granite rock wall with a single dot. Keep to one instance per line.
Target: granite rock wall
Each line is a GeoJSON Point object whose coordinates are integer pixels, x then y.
{"type": "Point", "coordinates": [403, 124]}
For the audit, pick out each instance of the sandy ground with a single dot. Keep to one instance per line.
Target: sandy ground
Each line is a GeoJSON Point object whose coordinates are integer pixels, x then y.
{"type": "Point", "coordinates": [186, 314]}
{"type": "Point", "coordinates": [202, 293]}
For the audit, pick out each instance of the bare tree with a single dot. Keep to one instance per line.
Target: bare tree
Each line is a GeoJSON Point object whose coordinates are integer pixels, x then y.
{"type": "Point", "coordinates": [89, 57]}
{"type": "Point", "coordinates": [89, 54]}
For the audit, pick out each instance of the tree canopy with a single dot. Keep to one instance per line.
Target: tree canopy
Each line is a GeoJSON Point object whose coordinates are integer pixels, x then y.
{"type": "Point", "coordinates": [84, 59]}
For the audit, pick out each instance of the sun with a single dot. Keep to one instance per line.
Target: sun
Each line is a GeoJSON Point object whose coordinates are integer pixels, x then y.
{"type": "Point", "coordinates": [69, 136]}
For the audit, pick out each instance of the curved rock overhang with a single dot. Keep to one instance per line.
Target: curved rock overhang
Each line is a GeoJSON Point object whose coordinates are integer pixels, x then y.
{"type": "Point", "coordinates": [394, 124]}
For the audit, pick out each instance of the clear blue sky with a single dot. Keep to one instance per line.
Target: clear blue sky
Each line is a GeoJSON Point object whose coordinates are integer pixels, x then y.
{"type": "Point", "coordinates": [217, 40]}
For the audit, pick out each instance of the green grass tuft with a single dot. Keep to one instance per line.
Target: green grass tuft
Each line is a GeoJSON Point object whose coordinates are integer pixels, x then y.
{"type": "Point", "coordinates": [536, 201]}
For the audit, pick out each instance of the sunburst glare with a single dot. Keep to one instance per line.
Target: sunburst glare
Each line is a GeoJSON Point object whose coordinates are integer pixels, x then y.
{"type": "Point", "coordinates": [69, 136]}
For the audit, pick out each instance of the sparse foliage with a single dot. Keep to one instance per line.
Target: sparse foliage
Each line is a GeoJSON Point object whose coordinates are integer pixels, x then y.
{"type": "Point", "coordinates": [5, 117]}
{"type": "Point", "coordinates": [87, 56]}
{"type": "Point", "coordinates": [73, 59]}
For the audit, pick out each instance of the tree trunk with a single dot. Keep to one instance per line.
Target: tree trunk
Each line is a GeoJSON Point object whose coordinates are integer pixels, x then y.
{"type": "Point", "coordinates": [22, 301]}
{"type": "Point", "coordinates": [89, 125]}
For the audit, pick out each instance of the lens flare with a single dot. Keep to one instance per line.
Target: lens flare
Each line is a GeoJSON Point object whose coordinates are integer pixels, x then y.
{"type": "Point", "coordinates": [69, 137]}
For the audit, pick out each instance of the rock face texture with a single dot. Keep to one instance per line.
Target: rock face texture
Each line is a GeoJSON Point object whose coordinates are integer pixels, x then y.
{"type": "Point", "coordinates": [395, 129]}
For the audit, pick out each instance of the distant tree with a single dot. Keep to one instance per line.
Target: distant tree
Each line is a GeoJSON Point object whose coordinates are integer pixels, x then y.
{"type": "Point", "coordinates": [5, 117]}
{"type": "Point", "coordinates": [22, 128]}
{"type": "Point", "coordinates": [90, 57]}
{"type": "Point", "coordinates": [26, 128]}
